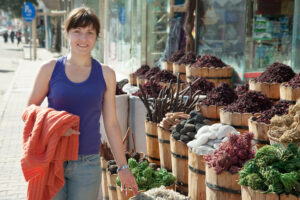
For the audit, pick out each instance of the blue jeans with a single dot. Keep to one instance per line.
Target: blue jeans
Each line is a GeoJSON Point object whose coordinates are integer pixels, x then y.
{"type": "Point", "coordinates": [82, 179]}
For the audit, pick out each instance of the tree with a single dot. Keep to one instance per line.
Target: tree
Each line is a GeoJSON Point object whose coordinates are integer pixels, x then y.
{"type": "Point", "coordinates": [14, 7]}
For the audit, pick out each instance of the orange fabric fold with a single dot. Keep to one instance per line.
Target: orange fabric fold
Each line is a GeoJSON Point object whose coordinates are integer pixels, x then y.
{"type": "Point", "coordinates": [45, 149]}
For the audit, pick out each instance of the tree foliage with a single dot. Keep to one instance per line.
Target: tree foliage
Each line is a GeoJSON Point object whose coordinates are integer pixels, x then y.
{"type": "Point", "coordinates": [14, 7]}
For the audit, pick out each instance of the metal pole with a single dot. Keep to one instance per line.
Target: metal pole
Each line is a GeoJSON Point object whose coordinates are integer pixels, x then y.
{"type": "Point", "coordinates": [30, 42]}
{"type": "Point", "coordinates": [34, 37]}
{"type": "Point", "coordinates": [46, 31]}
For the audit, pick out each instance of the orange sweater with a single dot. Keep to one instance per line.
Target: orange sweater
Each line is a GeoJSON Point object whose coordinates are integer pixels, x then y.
{"type": "Point", "coordinates": [45, 150]}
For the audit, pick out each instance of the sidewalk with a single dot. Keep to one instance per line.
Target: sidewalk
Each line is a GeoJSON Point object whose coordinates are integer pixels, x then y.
{"type": "Point", "coordinates": [12, 183]}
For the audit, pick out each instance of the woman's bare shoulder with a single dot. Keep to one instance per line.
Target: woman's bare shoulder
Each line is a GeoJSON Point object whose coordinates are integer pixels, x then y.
{"type": "Point", "coordinates": [108, 73]}
{"type": "Point", "coordinates": [47, 67]}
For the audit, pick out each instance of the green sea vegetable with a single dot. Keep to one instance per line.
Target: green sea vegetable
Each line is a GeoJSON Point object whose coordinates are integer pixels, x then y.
{"type": "Point", "coordinates": [249, 168]}
{"type": "Point", "coordinates": [289, 152]}
{"type": "Point", "coordinates": [132, 163]}
{"type": "Point", "coordinates": [289, 180]}
{"type": "Point", "coordinates": [272, 177]}
{"type": "Point", "coordinates": [256, 182]}
{"type": "Point", "coordinates": [267, 155]}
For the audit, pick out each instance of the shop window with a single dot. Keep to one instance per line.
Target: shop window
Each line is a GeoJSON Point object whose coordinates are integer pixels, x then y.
{"type": "Point", "coordinates": [222, 30]}
{"type": "Point", "coordinates": [270, 38]}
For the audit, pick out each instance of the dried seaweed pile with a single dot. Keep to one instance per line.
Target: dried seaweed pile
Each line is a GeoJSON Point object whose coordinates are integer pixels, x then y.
{"type": "Point", "coordinates": [165, 76]}
{"type": "Point", "coordinates": [209, 61]}
{"type": "Point", "coordinates": [152, 72]}
{"type": "Point", "coordinates": [242, 89]}
{"type": "Point", "coordinates": [150, 88]}
{"type": "Point", "coordinates": [188, 59]}
{"type": "Point", "coordinates": [168, 100]}
{"type": "Point", "coordinates": [250, 102]}
{"type": "Point", "coordinates": [105, 151]}
{"type": "Point", "coordinates": [281, 108]}
{"type": "Point", "coordinates": [176, 56]}
{"type": "Point", "coordinates": [276, 73]}
{"type": "Point", "coordinates": [142, 70]}
{"type": "Point", "coordinates": [295, 82]}
{"type": "Point", "coordinates": [222, 95]}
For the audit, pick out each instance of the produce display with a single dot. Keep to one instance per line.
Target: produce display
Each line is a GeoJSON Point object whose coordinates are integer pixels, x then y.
{"type": "Point", "coordinates": [276, 73]}
{"type": "Point", "coordinates": [148, 75]}
{"type": "Point", "coordinates": [285, 128]}
{"type": "Point", "coordinates": [250, 102]}
{"type": "Point", "coordinates": [119, 90]}
{"type": "Point", "coordinates": [209, 61]}
{"type": "Point", "coordinates": [242, 89]}
{"type": "Point", "coordinates": [186, 130]}
{"type": "Point", "coordinates": [147, 176]}
{"type": "Point", "coordinates": [142, 70]}
{"type": "Point", "coordinates": [232, 154]}
{"type": "Point", "coordinates": [279, 109]}
{"type": "Point", "coordinates": [105, 151]}
{"type": "Point", "coordinates": [208, 138]}
{"type": "Point", "coordinates": [170, 120]}
{"type": "Point", "coordinates": [188, 59]}
{"type": "Point", "coordinates": [274, 169]}
{"type": "Point", "coordinates": [176, 56]}
{"type": "Point", "coordinates": [222, 95]}
{"type": "Point", "coordinates": [160, 193]}
{"type": "Point", "coordinates": [168, 100]}
{"type": "Point", "coordinates": [201, 86]}
{"type": "Point", "coordinates": [112, 166]}
{"type": "Point", "coordinates": [151, 89]}
{"type": "Point", "coordinates": [165, 76]}
{"type": "Point", "coordinates": [294, 82]}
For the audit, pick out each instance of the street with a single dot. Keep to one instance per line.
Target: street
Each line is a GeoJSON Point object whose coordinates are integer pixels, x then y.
{"type": "Point", "coordinates": [16, 80]}
{"type": "Point", "coordinates": [10, 55]}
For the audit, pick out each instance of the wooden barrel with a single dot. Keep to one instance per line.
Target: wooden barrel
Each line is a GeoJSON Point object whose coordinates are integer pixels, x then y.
{"type": "Point", "coordinates": [165, 65]}
{"type": "Point", "coordinates": [174, 85]}
{"type": "Point", "coordinates": [216, 75]}
{"type": "Point", "coordinates": [177, 68]}
{"type": "Point", "coordinates": [260, 131]}
{"type": "Point", "coordinates": [271, 90]}
{"type": "Point", "coordinates": [196, 176]}
{"type": "Point", "coordinates": [140, 81]}
{"type": "Point", "coordinates": [112, 185]}
{"type": "Point", "coordinates": [238, 120]}
{"type": "Point", "coordinates": [249, 194]}
{"type": "Point", "coordinates": [132, 79]}
{"type": "Point", "coordinates": [179, 152]}
{"type": "Point", "coordinates": [288, 93]}
{"type": "Point", "coordinates": [104, 179]}
{"type": "Point", "coordinates": [223, 186]}
{"type": "Point", "coordinates": [164, 148]}
{"type": "Point", "coordinates": [122, 195]}
{"type": "Point", "coordinates": [152, 142]}
{"type": "Point", "coordinates": [211, 112]}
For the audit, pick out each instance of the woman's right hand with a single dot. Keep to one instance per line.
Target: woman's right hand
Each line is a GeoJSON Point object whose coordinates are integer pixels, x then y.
{"type": "Point", "coordinates": [70, 132]}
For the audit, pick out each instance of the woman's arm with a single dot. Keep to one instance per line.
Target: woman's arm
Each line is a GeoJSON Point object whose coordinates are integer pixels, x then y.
{"type": "Point", "coordinates": [41, 84]}
{"type": "Point", "coordinates": [112, 128]}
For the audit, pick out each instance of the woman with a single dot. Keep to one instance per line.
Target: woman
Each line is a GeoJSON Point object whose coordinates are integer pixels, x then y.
{"type": "Point", "coordinates": [80, 85]}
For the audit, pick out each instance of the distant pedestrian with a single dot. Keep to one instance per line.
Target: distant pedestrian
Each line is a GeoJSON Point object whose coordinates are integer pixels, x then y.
{"type": "Point", "coordinates": [19, 36]}
{"type": "Point", "coordinates": [5, 36]}
{"type": "Point", "coordinates": [12, 36]}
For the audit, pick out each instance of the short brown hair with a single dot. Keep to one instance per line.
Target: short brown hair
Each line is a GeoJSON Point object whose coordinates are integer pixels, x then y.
{"type": "Point", "coordinates": [82, 17]}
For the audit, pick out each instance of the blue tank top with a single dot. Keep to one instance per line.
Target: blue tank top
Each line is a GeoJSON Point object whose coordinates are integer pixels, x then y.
{"type": "Point", "coordinates": [83, 99]}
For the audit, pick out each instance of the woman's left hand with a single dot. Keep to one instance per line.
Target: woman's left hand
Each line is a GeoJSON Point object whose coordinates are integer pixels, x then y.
{"type": "Point", "coordinates": [127, 180]}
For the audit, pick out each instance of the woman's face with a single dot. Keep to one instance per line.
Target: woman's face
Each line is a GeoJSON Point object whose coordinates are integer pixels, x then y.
{"type": "Point", "coordinates": [82, 39]}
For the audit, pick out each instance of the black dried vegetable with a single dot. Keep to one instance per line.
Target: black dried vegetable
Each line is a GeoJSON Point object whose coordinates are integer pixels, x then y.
{"type": "Point", "coordinates": [281, 108]}
{"type": "Point", "coordinates": [222, 95]}
{"type": "Point", "coordinates": [113, 169]}
{"type": "Point", "coordinates": [276, 73]}
{"type": "Point", "coordinates": [176, 56]}
{"type": "Point", "coordinates": [295, 82]}
{"type": "Point", "coordinates": [209, 61]}
{"type": "Point", "coordinates": [242, 89]}
{"type": "Point", "coordinates": [188, 59]}
{"type": "Point", "coordinates": [142, 70]}
{"type": "Point", "coordinates": [165, 76]}
{"type": "Point", "coordinates": [152, 72]}
{"type": "Point", "coordinates": [150, 89]}
{"type": "Point", "coordinates": [250, 102]}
